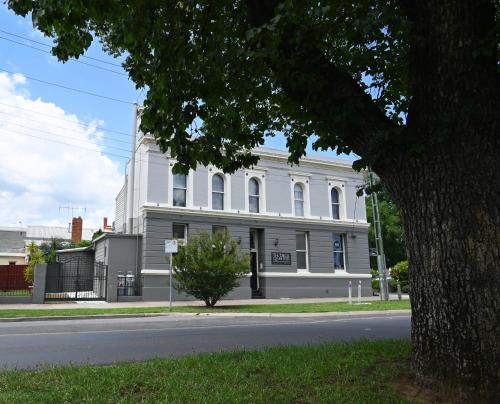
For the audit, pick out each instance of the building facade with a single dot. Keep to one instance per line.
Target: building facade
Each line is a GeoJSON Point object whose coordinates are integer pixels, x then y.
{"type": "Point", "coordinates": [303, 226]}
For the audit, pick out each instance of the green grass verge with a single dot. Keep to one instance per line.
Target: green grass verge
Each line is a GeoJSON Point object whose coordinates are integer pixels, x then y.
{"type": "Point", "coordinates": [249, 308]}
{"type": "Point", "coordinates": [20, 292]}
{"type": "Point", "coordinates": [357, 372]}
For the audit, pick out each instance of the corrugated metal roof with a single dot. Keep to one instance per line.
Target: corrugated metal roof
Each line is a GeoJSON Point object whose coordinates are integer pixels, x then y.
{"type": "Point", "coordinates": [49, 232]}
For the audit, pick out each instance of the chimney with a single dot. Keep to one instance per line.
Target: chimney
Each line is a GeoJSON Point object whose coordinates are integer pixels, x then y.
{"type": "Point", "coordinates": [76, 229]}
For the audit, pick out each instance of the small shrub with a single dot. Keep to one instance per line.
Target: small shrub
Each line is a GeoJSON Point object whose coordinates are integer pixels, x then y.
{"type": "Point", "coordinates": [209, 267]}
{"type": "Point", "coordinates": [36, 257]}
{"type": "Point", "coordinates": [376, 285]}
{"type": "Point", "coordinates": [399, 273]}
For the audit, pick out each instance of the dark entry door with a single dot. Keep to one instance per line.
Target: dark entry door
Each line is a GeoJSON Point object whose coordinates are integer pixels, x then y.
{"type": "Point", "coordinates": [254, 262]}
{"type": "Point", "coordinates": [254, 259]}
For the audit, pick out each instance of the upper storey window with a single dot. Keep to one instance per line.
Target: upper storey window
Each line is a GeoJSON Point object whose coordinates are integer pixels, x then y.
{"type": "Point", "coordinates": [217, 192]}
{"type": "Point", "coordinates": [335, 203]}
{"type": "Point", "coordinates": [180, 190]}
{"type": "Point", "coordinates": [253, 195]}
{"type": "Point", "coordinates": [298, 198]}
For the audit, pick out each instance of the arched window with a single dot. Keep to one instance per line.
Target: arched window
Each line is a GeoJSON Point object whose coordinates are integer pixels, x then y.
{"type": "Point", "coordinates": [217, 192]}
{"type": "Point", "coordinates": [253, 195]}
{"type": "Point", "coordinates": [335, 203]}
{"type": "Point", "coordinates": [298, 197]}
{"type": "Point", "coordinates": [180, 190]}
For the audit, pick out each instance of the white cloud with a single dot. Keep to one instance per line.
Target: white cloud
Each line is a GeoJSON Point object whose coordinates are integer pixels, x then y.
{"type": "Point", "coordinates": [38, 175]}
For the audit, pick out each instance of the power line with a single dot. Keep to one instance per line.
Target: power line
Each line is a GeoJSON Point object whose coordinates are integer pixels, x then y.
{"type": "Point", "coordinates": [91, 150]}
{"type": "Point", "coordinates": [71, 60]}
{"type": "Point", "coordinates": [64, 136]}
{"type": "Point", "coordinates": [68, 144]}
{"type": "Point", "coordinates": [61, 127]}
{"type": "Point", "coordinates": [50, 46]}
{"type": "Point", "coordinates": [87, 125]}
{"type": "Point", "coordinates": [70, 88]}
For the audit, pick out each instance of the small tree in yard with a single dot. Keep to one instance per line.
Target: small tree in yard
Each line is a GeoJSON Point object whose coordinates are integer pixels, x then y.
{"type": "Point", "coordinates": [36, 257]}
{"type": "Point", "coordinates": [399, 273]}
{"type": "Point", "coordinates": [209, 267]}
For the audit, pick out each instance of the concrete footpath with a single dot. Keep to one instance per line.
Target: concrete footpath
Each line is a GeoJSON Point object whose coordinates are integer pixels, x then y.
{"type": "Point", "coordinates": [105, 305]}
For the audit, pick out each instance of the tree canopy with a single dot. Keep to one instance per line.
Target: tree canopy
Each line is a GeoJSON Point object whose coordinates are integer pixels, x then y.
{"type": "Point", "coordinates": [221, 75]}
{"type": "Point", "coordinates": [392, 230]}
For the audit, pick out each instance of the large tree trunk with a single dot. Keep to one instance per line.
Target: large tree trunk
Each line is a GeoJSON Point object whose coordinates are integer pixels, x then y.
{"type": "Point", "coordinates": [448, 188]}
{"type": "Point", "coordinates": [450, 210]}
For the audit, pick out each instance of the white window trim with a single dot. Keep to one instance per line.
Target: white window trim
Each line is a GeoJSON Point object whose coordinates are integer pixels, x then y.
{"type": "Point", "coordinates": [302, 180]}
{"type": "Point", "coordinates": [344, 251]}
{"type": "Point", "coordinates": [227, 189]}
{"type": "Point", "coordinates": [260, 176]}
{"type": "Point", "coordinates": [189, 187]}
{"type": "Point", "coordinates": [340, 186]}
{"type": "Point", "coordinates": [306, 269]}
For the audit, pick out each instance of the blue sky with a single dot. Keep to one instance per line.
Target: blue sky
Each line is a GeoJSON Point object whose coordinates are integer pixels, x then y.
{"type": "Point", "coordinates": [109, 115]}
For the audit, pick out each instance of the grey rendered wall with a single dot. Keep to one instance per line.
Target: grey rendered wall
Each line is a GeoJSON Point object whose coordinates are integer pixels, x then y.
{"type": "Point", "coordinates": [200, 185]}
{"type": "Point", "coordinates": [276, 288]}
{"type": "Point", "coordinates": [278, 191]}
{"type": "Point", "coordinates": [157, 179]}
{"type": "Point", "coordinates": [238, 190]}
{"type": "Point", "coordinates": [154, 179]}
{"type": "Point", "coordinates": [158, 227]}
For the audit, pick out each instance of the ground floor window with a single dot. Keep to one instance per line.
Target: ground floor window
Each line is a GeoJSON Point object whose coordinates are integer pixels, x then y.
{"type": "Point", "coordinates": [339, 251]}
{"type": "Point", "coordinates": [180, 233]}
{"type": "Point", "coordinates": [302, 241]}
{"type": "Point", "coordinates": [218, 230]}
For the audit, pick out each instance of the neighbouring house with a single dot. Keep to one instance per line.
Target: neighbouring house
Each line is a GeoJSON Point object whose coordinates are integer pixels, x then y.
{"type": "Point", "coordinates": [13, 240]}
{"type": "Point", "coordinates": [303, 226]}
{"type": "Point", "coordinates": [12, 243]}
{"type": "Point", "coordinates": [74, 232]}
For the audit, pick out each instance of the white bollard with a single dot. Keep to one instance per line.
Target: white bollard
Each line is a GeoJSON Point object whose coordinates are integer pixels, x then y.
{"type": "Point", "coordinates": [359, 292]}
{"type": "Point", "coordinates": [350, 292]}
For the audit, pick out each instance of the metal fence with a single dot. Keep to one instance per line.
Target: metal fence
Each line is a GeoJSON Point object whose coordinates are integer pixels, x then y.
{"type": "Point", "coordinates": [13, 282]}
{"type": "Point", "coordinates": [77, 278]}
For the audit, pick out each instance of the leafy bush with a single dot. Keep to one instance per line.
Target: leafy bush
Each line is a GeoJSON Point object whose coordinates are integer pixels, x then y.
{"type": "Point", "coordinates": [376, 285]}
{"type": "Point", "coordinates": [399, 273]}
{"type": "Point", "coordinates": [209, 267]}
{"type": "Point", "coordinates": [36, 257]}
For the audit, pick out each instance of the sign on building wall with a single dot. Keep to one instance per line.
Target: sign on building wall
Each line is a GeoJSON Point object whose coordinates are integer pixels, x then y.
{"type": "Point", "coordinates": [281, 258]}
{"type": "Point", "coordinates": [170, 246]}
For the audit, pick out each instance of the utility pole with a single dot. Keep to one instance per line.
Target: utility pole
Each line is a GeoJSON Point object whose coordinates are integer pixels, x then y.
{"type": "Point", "coordinates": [379, 243]}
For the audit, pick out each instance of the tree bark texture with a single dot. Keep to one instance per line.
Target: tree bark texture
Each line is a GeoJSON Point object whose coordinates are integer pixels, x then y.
{"type": "Point", "coordinates": [448, 193]}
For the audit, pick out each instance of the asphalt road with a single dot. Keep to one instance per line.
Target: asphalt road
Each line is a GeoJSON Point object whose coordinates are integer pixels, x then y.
{"type": "Point", "coordinates": [102, 341]}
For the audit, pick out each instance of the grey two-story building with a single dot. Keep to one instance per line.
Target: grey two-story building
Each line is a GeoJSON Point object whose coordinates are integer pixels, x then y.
{"type": "Point", "coordinates": [303, 226]}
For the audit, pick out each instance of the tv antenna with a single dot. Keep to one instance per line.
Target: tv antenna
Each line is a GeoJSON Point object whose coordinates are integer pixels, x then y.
{"type": "Point", "coordinates": [72, 209]}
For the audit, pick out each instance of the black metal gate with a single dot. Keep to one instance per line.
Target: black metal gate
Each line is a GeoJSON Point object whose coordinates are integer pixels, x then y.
{"type": "Point", "coordinates": [76, 278]}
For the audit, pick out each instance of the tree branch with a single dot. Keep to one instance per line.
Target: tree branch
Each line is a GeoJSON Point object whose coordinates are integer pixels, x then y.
{"type": "Point", "coordinates": [323, 93]}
